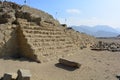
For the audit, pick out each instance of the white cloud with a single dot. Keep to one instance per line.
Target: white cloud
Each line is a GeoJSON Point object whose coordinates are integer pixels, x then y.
{"type": "Point", "coordinates": [73, 11]}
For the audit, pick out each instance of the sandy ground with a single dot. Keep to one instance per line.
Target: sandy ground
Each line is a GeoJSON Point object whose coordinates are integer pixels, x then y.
{"type": "Point", "coordinates": [102, 65]}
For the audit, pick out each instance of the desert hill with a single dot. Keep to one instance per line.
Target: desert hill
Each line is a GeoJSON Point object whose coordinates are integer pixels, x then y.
{"type": "Point", "coordinates": [118, 36]}
{"type": "Point", "coordinates": [98, 30]}
{"type": "Point", "coordinates": [36, 35]}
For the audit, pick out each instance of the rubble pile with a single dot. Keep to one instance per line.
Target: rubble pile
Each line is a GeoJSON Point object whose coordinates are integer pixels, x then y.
{"type": "Point", "coordinates": [101, 46]}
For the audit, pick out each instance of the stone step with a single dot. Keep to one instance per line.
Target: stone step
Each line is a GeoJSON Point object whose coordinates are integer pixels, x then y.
{"type": "Point", "coordinates": [39, 28]}
{"type": "Point", "coordinates": [48, 44]}
{"type": "Point", "coordinates": [46, 48]}
{"type": "Point", "coordinates": [52, 46]}
{"type": "Point", "coordinates": [52, 52]}
{"type": "Point", "coordinates": [36, 27]}
{"type": "Point", "coordinates": [56, 52]}
{"type": "Point", "coordinates": [44, 36]}
{"type": "Point", "coordinates": [34, 39]}
{"type": "Point", "coordinates": [48, 52]}
{"type": "Point", "coordinates": [43, 32]}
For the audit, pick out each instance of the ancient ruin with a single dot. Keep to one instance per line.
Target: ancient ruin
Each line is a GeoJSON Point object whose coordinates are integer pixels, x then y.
{"type": "Point", "coordinates": [21, 74]}
{"type": "Point", "coordinates": [69, 63]}
{"type": "Point", "coordinates": [36, 35]}
{"type": "Point", "coordinates": [101, 46]}
{"type": "Point", "coordinates": [9, 76]}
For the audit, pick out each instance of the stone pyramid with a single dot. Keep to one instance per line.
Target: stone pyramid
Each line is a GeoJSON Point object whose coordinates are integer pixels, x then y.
{"type": "Point", "coordinates": [36, 35]}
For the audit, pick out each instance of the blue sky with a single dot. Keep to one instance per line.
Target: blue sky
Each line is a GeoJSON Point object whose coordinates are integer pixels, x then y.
{"type": "Point", "coordinates": [80, 12]}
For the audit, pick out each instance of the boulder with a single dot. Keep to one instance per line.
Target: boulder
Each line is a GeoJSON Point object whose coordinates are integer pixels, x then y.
{"type": "Point", "coordinates": [23, 74]}
{"type": "Point", "coordinates": [118, 76]}
{"type": "Point", "coordinates": [10, 76]}
{"type": "Point", "coordinates": [69, 63]}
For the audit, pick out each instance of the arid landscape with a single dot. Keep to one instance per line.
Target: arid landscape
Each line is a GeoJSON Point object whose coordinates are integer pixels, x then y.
{"type": "Point", "coordinates": [36, 41]}
{"type": "Point", "coordinates": [96, 65]}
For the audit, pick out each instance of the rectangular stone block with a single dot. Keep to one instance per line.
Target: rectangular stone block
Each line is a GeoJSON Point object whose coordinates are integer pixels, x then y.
{"type": "Point", "coordinates": [23, 74]}
{"type": "Point", "coordinates": [69, 63]}
{"type": "Point", "coordinates": [10, 76]}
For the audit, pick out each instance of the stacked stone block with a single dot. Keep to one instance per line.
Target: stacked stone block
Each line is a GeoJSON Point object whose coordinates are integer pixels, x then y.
{"type": "Point", "coordinates": [36, 35]}
{"type": "Point", "coordinates": [44, 43]}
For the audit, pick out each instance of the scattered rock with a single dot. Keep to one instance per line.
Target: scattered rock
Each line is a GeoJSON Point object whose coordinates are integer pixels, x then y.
{"type": "Point", "coordinates": [20, 75]}
{"type": "Point", "coordinates": [118, 76]}
{"type": "Point", "coordinates": [101, 46]}
{"type": "Point", "coordinates": [69, 63]}
{"type": "Point", "coordinates": [10, 76]}
{"type": "Point", "coordinates": [23, 74]}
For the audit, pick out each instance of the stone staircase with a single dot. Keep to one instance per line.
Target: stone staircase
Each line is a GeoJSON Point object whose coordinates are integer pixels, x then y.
{"type": "Point", "coordinates": [35, 34]}
{"type": "Point", "coordinates": [44, 43]}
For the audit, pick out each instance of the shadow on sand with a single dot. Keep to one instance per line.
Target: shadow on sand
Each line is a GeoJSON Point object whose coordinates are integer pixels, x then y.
{"type": "Point", "coordinates": [65, 67]}
{"type": "Point", "coordinates": [21, 59]}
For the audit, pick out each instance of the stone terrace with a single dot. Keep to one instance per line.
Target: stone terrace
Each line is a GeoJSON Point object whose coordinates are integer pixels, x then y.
{"type": "Point", "coordinates": [34, 34]}
{"type": "Point", "coordinates": [44, 43]}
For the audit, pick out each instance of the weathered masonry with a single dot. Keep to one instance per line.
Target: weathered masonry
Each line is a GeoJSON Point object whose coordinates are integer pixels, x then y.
{"type": "Point", "coordinates": [36, 35]}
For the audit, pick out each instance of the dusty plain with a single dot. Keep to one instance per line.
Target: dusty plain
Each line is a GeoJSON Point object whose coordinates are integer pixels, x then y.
{"type": "Point", "coordinates": [96, 65]}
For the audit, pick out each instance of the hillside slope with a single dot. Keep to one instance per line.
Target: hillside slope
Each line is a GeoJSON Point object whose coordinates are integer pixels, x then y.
{"type": "Point", "coordinates": [98, 30]}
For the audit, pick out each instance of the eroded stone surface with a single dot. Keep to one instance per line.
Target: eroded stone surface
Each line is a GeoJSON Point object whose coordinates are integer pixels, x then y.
{"type": "Point", "coordinates": [34, 34]}
{"type": "Point", "coordinates": [23, 74]}
{"type": "Point", "coordinates": [10, 76]}
{"type": "Point", "coordinates": [109, 46]}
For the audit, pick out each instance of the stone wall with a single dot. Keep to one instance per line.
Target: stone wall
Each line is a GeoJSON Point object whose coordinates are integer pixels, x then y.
{"type": "Point", "coordinates": [36, 35]}
{"type": "Point", "coordinates": [82, 40]}
{"type": "Point", "coordinates": [43, 43]}
{"type": "Point", "coordinates": [8, 44]}
{"type": "Point", "coordinates": [25, 49]}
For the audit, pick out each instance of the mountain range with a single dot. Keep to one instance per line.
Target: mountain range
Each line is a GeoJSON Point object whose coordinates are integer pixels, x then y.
{"type": "Point", "coordinates": [98, 30]}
